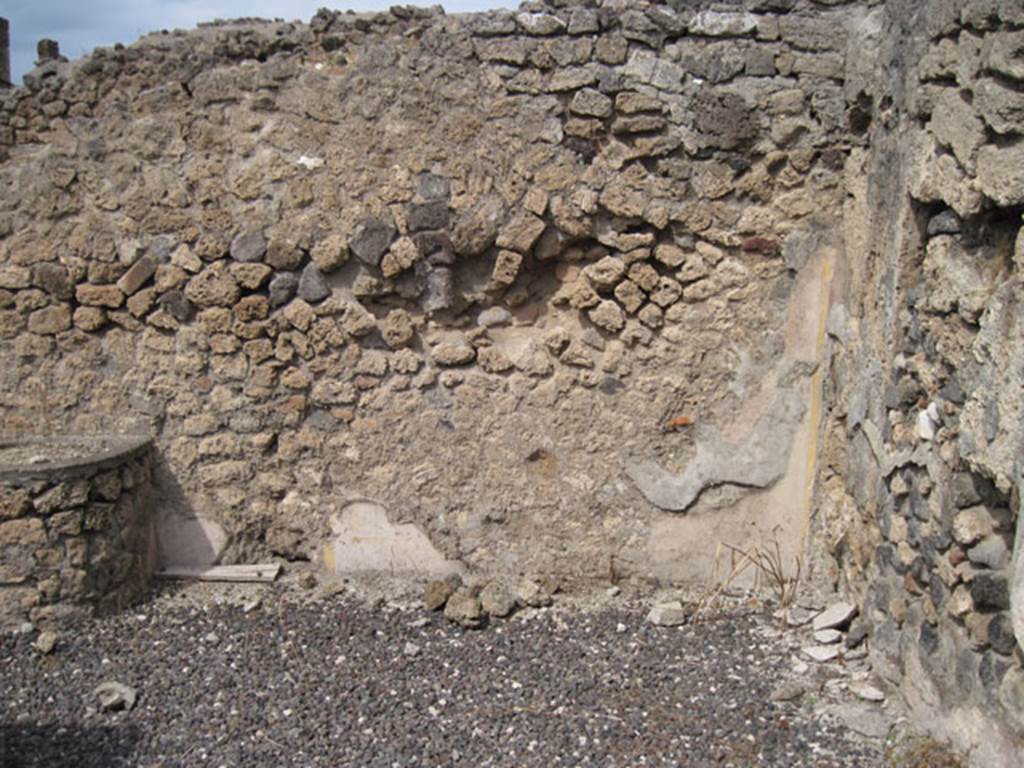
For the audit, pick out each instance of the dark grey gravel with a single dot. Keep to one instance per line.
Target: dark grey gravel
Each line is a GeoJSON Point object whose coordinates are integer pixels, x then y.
{"type": "Point", "coordinates": [333, 683]}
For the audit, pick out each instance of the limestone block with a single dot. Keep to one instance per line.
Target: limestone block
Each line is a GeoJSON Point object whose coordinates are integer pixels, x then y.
{"type": "Point", "coordinates": [722, 24]}
{"type": "Point", "coordinates": [936, 177]}
{"type": "Point", "coordinates": [50, 320]}
{"type": "Point", "coordinates": [397, 328]}
{"type": "Point", "coordinates": [540, 24]}
{"type": "Point", "coordinates": [521, 232]}
{"type": "Point", "coordinates": [955, 125]}
{"type": "Point", "coordinates": [109, 296]}
{"type": "Point", "coordinates": [605, 274]}
{"type": "Point", "coordinates": [27, 532]}
{"type": "Point", "coordinates": [497, 599]}
{"type": "Point", "coordinates": [52, 278]}
{"type": "Point", "coordinates": [577, 355]}
{"type": "Point", "coordinates": [452, 353]}
{"type": "Point", "coordinates": [213, 287]}
{"type": "Point", "coordinates": [972, 524]}
{"type": "Point", "coordinates": [583, 21]}
{"type": "Point", "coordinates": [330, 253]}
{"type": "Point", "coordinates": [65, 495]}
{"type": "Point", "coordinates": [503, 51]}
{"type": "Point", "coordinates": [14, 277]}
{"type": "Point", "coordinates": [283, 254]}
{"type": "Point", "coordinates": [607, 315]}
{"type": "Point", "coordinates": [631, 102]}
{"type": "Point", "coordinates": [670, 614]}
{"type": "Point", "coordinates": [1001, 107]}
{"type": "Point", "coordinates": [493, 360]}
{"type": "Point", "coordinates": [1003, 52]}
{"type": "Point", "coordinates": [591, 102]}
{"type": "Point", "coordinates": [630, 296]}
{"type": "Point", "coordinates": [14, 502]}
{"type": "Point", "coordinates": [475, 231]}
{"type": "Point", "coordinates": [956, 282]}
{"type": "Point", "coordinates": [652, 316]}
{"type": "Point", "coordinates": [1001, 173]}
{"type": "Point", "coordinates": [611, 49]}
{"type": "Point", "coordinates": [506, 268]}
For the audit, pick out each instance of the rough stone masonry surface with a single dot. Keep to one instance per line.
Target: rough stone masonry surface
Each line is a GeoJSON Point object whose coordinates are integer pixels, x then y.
{"type": "Point", "coordinates": [761, 264]}
{"type": "Point", "coordinates": [330, 681]}
{"type": "Point", "coordinates": [301, 306]}
{"type": "Point", "coordinates": [76, 528]}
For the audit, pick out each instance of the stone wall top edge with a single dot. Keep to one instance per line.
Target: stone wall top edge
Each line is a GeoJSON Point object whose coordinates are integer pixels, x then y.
{"type": "Point", "coordinates": [283, 34]}
{"type": "Point", "coordinates": [116, 450]}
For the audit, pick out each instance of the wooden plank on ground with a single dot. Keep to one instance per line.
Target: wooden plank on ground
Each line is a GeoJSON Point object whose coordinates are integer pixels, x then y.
{"type": "Point", "coordinates": [263, 573]}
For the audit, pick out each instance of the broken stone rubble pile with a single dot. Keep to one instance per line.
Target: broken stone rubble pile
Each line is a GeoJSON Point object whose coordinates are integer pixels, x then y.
{"type": "Point", "coordinates": [470, 604]}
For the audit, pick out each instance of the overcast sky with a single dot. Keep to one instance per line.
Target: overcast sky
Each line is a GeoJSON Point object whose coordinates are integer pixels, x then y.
{"type": "Point", "coordinates": [81, 25]}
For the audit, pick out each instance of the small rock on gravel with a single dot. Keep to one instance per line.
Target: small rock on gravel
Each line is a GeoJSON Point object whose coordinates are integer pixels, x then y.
{"type": "Point", "coordinates": [45, 643]}
{"type": "Point", "coordinates": [497, 600]}
{"type": "Point", "coordinates": [251, 605]}
{"type": "Point", "coordinates": [532, 594]}
{"type": "Point", "coordinates": [670, 614]}
{"type": "Point", "coordinates": [411, 649]}
{"type": "Point", "coordinates": [436, 594]}
{"type": "Point", "coordinates": [463, 608]}
{"type": "Point", "coordinates": [115, 696]}
{"type": "Point", "coordinates": [836, 616]}
{"type": "Point", "coordinates": [787, 690]}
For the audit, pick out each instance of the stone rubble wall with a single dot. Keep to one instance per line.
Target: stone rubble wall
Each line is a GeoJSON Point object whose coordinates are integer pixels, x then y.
{"type": "Point", "coordinates": [920, 472]}
{"type": "Point", "coordinates": [75, 538]}
{"type": "Point", "coordinates": [576, 291]}
{"type": "Point", "coordinates": [505, 275]}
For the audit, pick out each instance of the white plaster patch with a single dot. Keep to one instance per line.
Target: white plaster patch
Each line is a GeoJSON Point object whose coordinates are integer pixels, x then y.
{"type": "Point", "coordinates": [191, 541]}
{"type": "Point", "coordinates": [365, 540]}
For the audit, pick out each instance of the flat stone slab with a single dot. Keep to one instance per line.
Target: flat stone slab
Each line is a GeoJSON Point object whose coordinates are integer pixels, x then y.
{"type": "Point", "coordinates": [863, 718]}
{"type": "Point", "coordinates": [866, 691]}
{"type": "Point", "coordinates": [821, 653]}
{"type": "Point", "coordinates": [827, 636]}
{"type": "Point", "coordinates": [671, 614]}
{"type": "Point", "coordinates": [836, 616]}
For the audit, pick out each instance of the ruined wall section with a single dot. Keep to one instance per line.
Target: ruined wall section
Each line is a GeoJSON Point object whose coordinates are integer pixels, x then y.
{"type": "Point", "coordinates": [469, 268]}
{"type": "Point", "coordinates": [919, 483]}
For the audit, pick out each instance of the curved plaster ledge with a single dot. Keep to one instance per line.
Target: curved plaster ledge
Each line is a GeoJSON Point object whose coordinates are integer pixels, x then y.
{"type": "Point", "coordinates": [757, 462]}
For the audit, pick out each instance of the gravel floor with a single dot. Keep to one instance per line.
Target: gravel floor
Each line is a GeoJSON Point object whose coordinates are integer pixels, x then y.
{"type": "Point", "coordinates": [336, 683]}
